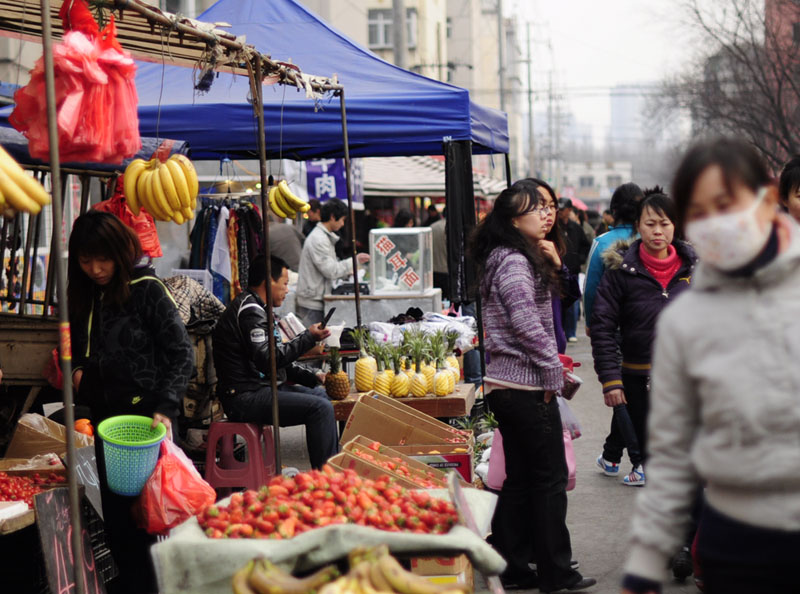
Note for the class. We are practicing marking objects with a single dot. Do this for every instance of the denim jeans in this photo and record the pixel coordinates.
(472, 359)
(297, 405)
(569, 318)
(530, 521)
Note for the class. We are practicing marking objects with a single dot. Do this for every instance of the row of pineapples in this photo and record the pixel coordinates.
(422, 364)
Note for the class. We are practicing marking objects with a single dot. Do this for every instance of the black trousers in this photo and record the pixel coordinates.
(530, 521)
(297, 405)
(130, 545)
(638, 397)
(738, 558)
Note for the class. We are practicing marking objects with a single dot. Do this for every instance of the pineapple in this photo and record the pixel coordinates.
(419, 383)
(388, 360)
(383, 381)
(452, 360)
(401, 383)
(337, 384)
(443, 382)
(366, 366)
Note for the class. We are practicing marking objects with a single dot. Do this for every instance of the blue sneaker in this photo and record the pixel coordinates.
(635, 478)
(608, 468)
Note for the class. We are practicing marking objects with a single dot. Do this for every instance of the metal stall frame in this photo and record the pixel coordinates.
(241, 59)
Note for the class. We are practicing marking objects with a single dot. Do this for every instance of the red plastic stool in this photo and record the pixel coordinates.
(228, 471)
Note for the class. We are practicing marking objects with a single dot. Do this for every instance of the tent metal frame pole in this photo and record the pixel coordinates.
(61, 284)
(508, 169)
(351, 212)
(258, 106)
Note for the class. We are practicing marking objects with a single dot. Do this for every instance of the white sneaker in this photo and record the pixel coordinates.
(608, 468)
(572, 339)
(635, 478)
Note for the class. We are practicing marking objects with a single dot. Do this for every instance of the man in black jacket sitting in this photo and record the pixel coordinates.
(241, 358)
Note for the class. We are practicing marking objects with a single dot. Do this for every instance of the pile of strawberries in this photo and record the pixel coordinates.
(23, 488)
(396, 464)
(290, 506)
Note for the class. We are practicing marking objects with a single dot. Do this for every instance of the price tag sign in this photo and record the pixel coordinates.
(55, 536)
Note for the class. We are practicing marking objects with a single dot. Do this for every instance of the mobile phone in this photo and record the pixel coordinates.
(328, 317)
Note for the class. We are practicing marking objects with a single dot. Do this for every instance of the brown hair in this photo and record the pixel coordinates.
(101, 234)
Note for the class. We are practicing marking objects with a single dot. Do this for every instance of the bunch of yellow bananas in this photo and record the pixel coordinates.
(19, 192)
(283, 203)
(168, 190)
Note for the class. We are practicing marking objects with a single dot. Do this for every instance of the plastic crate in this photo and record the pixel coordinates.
(201, 276)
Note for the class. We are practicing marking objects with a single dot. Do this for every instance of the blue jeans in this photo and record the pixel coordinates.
(472, 359)
(570, 319)
(297, 405)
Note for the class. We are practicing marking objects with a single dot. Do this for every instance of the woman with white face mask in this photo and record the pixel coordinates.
(726, 387)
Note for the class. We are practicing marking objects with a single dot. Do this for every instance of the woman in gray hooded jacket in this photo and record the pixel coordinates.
(726, 387)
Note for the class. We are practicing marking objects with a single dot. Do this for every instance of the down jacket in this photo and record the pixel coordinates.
(628, 302)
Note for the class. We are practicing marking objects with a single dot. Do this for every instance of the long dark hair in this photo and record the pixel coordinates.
(101, 234)
(497, 229)
(739, 161)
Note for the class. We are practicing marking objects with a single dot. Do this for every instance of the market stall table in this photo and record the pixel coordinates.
(457, 404)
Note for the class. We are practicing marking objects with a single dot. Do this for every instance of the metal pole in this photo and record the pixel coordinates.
(258, 107)
(531, 139)
(500, 61)
(63, 313)
(350, 204)
(399, 32)
(508, 169)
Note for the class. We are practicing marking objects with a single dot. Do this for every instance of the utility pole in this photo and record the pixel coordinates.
(399, 32)
(551, 151)
(439, 59)
(500, 60)
(531, 140)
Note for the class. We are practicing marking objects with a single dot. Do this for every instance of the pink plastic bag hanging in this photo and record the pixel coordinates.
(497, 462)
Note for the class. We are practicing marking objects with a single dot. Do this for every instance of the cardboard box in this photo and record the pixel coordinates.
(43, 469)
(445, 457)
(393, 423)
(465, 578)
(437, 566)
(36, 435)
(387, 454)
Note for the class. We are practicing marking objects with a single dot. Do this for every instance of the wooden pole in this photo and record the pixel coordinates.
(258, 107)
(350, 205)
(61, 285)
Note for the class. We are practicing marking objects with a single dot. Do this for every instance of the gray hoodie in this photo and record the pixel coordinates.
(725, 407)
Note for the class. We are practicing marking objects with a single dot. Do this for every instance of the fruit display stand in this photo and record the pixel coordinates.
(457, 404)
(189, 561)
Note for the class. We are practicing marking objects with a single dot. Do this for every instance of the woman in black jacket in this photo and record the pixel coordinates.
(132, 355)
(642, 277)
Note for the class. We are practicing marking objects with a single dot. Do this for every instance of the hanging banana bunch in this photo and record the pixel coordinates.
(19, 192)
(283, 203)
(168, 191)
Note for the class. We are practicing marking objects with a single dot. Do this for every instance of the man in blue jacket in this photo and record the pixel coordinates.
(624, 204)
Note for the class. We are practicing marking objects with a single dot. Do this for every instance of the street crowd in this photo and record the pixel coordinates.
(691, 300)
(692, 304)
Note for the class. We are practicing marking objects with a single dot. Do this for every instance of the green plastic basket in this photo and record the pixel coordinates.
(131, 449)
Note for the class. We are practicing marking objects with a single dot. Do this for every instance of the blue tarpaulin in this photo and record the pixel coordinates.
(390, 111)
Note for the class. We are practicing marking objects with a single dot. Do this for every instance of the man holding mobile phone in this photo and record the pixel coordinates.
(241, 357)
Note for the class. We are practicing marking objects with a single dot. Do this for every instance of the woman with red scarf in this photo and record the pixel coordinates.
(642, 277)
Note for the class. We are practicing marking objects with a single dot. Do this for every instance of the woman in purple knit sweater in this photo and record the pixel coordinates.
(518, 270)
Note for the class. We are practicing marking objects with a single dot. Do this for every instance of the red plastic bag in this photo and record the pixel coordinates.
(143, 224)
(95, 95)
(173, 493)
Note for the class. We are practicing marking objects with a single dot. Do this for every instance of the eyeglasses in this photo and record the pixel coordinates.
(544, 210)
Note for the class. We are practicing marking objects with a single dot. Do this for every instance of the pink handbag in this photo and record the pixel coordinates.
(497, 462)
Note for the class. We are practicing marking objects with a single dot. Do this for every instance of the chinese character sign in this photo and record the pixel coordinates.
(400, 264)
(326, 179)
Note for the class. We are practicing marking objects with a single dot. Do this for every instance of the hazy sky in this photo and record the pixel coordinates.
(597, 44)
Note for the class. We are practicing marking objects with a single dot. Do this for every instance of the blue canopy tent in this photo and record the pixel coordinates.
(390, 111)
